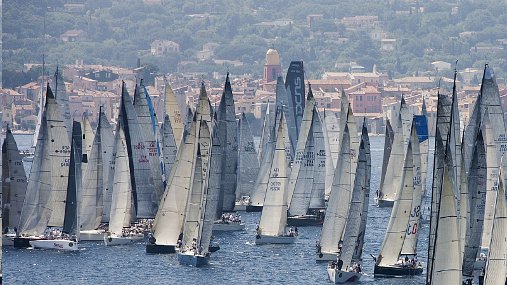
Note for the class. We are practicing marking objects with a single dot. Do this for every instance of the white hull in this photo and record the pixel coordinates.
(58, 244)
(116, 240)
(260, 239)
(326, 256)
(339, 277)
(93, 235)
(229, 227)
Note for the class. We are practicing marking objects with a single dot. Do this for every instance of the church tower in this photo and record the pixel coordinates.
(272, 68)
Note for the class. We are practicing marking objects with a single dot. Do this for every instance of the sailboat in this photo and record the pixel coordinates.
(64, 210)
(168, 223)
(121, 205)
(272, 226)
(201, 206)
(353, 233)
(307, 177)
(387, 193)
(92, 193)
(228, 130)
(400, 240)
(14, 185)
(248, 164)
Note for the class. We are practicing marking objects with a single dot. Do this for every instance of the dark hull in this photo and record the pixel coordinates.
(302, 221)
(160, 249)
(385, 203)
(394, 271)
(213, 248)
(21, 242)
(251, 208)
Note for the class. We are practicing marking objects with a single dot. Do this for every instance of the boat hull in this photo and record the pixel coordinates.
(23, 242)
(262, 239)
(339, 277)
(240, 207)
(160, 249)
(58, 244)
(188, 258)
(251, 208)
(93, 235)
(306, 220)
(325, 256)
(228, 227)
(395, 271)
(384, 203)
(116, 240)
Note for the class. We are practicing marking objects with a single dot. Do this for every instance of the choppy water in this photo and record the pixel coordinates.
(238, 261)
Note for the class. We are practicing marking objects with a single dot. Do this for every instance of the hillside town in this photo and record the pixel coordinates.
(371, 93)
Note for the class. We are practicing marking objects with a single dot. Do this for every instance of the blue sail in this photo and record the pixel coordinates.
(295, 86)
(421, 126)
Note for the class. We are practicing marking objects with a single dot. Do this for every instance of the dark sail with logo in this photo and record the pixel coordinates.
(295, 86)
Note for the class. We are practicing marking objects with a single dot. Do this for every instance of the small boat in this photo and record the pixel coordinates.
(338, 276)
(228, 223)
(58, 244)
(272, 226)
(113, 239)
(121, 205)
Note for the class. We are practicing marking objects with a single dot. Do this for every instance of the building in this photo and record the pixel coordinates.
(387, 44)
(272, 68)
(162, 47)
(366, 100)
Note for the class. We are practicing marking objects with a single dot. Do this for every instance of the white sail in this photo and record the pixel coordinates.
(212, 193)
(121, 210)
(59, 154)
(391, 186)
(317, 200)
(248, 165)
(400, 214)
(339, 199)
(141, 180)
(169, 146)
(446, 253)
(496, 266)
(228, 129)
(300, 183)
(495, 139)
(35, 213)
(274, 211)
(172, 109)
(388, 145)
(261, 183)
(62, 98)
(365, 141)
(88, 137)
(195, 209)
(91, 196)
(412, 232)
(331, 134)
(108, 157)
(477, 191)
(15, 182)
(168, 223)
(353, 234)
(441, 134)
(39, 113)
(148, 128)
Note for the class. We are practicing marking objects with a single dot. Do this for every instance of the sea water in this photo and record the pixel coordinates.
(239, 260)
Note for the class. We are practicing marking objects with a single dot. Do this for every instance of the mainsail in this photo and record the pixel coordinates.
(172, 109)
(248, 165)
(274, 211)
(71, 219)
(295, 86)
(228, 129)
(14, 182)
